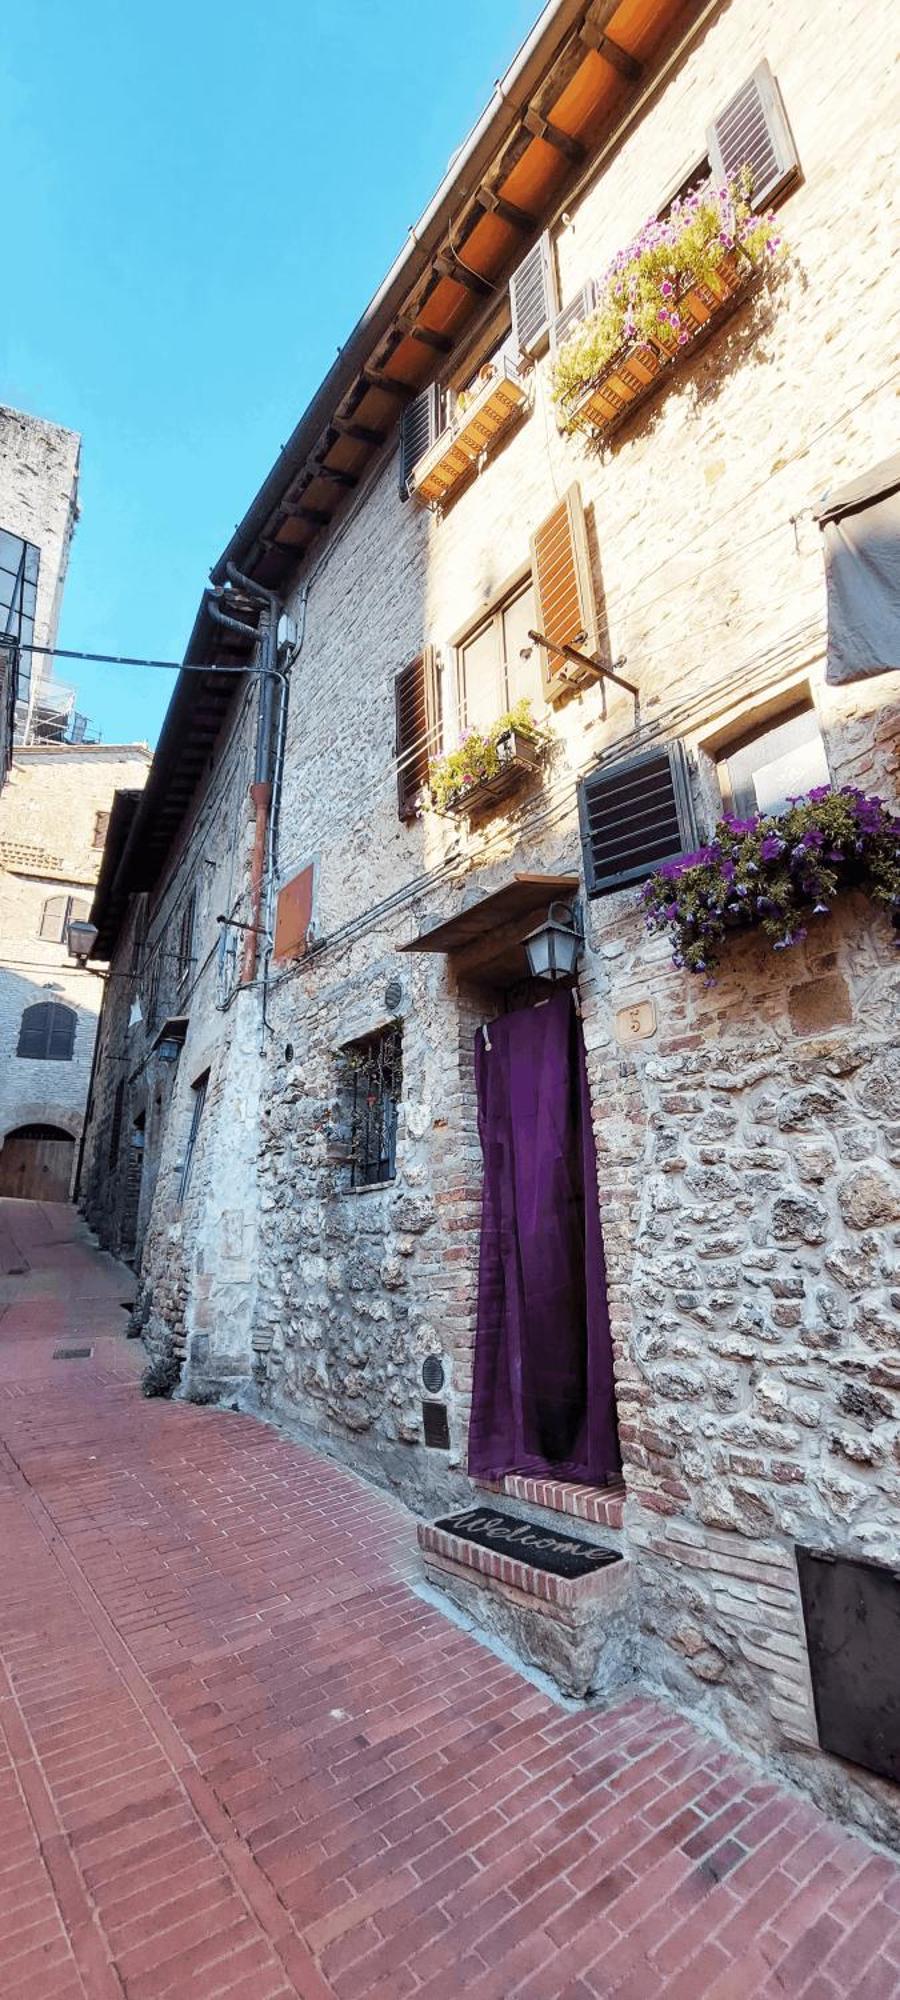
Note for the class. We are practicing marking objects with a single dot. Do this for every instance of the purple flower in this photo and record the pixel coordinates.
(667, 288)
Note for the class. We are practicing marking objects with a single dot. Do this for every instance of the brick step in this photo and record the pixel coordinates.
(593, 1511)
(580, 1630)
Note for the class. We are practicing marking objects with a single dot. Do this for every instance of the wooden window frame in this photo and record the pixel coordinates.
(411, 759)
(515, 586)
(199, 1089)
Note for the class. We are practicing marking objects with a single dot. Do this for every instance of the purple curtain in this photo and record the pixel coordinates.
(543, 1400)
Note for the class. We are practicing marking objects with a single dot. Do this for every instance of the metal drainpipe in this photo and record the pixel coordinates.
(261, 788)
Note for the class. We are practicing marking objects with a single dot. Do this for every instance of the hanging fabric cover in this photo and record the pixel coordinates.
(543, 1399)
(861, 526)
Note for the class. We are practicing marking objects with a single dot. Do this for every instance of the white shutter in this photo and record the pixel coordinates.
(573, 314)
(419, 426)
(532, 296)
(753, 132)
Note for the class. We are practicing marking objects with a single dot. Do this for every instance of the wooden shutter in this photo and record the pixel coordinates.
(293, 913)
(417, 704)
(419, 426)
(573, 314)
(563, 586)
(101, 828)
(532, 297)
(54, 918)
(634, 815)
(47, 1032)
(753, 132)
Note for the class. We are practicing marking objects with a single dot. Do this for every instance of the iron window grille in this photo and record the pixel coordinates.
(372, 1078)
(47, 1032)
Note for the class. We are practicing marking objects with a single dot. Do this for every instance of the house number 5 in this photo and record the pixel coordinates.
(637, 1022)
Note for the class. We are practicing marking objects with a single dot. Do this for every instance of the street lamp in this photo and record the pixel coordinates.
(81, 938)
(553, 949)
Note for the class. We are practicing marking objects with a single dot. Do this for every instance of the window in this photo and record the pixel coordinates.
(198, 1091)
(421, 423)
(372, 1076)
(498, 664)
(861, 526)
(186, 937)
(115, 1129)
(777, 760)
(58, 913)
(101, 828)
(635, 814)
(753, 132)
(417, 718)
(47, 1032)
(19, 568)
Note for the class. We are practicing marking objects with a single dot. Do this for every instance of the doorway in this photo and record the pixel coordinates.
(543, 1399)
(36, 1163)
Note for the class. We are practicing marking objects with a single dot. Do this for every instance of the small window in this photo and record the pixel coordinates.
(498, 663)
(635, 814)
(371, 1082)
(533, 298)
(186, 937)
(198, 1092)
(115, 1128)
(101, 828)
(781, 759)
(58, 913)
(47, 1032)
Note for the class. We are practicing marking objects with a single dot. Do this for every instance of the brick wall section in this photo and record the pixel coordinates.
(48, 808)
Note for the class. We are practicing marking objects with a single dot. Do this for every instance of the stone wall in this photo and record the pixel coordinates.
(196, 1254)
(742, 1149)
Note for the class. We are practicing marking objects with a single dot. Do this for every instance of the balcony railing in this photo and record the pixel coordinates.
(489, 410)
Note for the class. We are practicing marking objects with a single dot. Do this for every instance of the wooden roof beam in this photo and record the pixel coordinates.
(376, 379)
(317, 469)
(448, 266)
(496, 204)
(360, 433)
(440, 342)
(541, 128)
(611, 52)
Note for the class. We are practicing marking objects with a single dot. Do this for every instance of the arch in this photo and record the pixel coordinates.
(47, 1032)
(58, 913)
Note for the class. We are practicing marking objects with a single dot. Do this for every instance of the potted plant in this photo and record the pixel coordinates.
(485, 764)
(657, 293)
(774, 871)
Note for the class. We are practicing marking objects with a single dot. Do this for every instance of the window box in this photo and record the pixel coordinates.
(636, 370)
(518, 757)
(488, 410)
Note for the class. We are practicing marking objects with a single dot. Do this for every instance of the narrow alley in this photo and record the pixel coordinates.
(241, 1756)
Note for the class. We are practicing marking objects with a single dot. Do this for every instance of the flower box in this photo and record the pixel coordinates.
(494, 405)
(623, 381)
(519, 757)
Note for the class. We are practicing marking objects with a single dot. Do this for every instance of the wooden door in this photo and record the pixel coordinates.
(36, 1163)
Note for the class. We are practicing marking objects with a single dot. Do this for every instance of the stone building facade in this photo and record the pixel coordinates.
(39, 471)
(54, 810)
(745, 1132)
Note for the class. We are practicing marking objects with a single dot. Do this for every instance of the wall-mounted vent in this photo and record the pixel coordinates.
(634, 815)
(436, 1427)
(851, 1611)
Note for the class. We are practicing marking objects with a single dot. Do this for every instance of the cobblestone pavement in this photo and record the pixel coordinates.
(239, 1757)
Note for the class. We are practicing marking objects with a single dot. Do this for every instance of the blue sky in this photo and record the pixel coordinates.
(200, 199)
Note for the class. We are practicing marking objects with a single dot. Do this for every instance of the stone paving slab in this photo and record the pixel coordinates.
(241, 1760)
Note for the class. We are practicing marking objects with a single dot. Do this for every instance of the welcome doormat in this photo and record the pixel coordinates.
(526, 1541)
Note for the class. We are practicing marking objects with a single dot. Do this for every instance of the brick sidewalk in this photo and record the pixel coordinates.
(238, 1757)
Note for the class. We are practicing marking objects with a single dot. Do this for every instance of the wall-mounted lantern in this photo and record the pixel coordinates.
(81, 938)
(554, 948)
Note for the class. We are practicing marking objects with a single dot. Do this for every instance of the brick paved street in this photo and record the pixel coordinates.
(239, 1757)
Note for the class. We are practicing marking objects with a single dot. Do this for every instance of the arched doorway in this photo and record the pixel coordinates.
(36, 1163)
